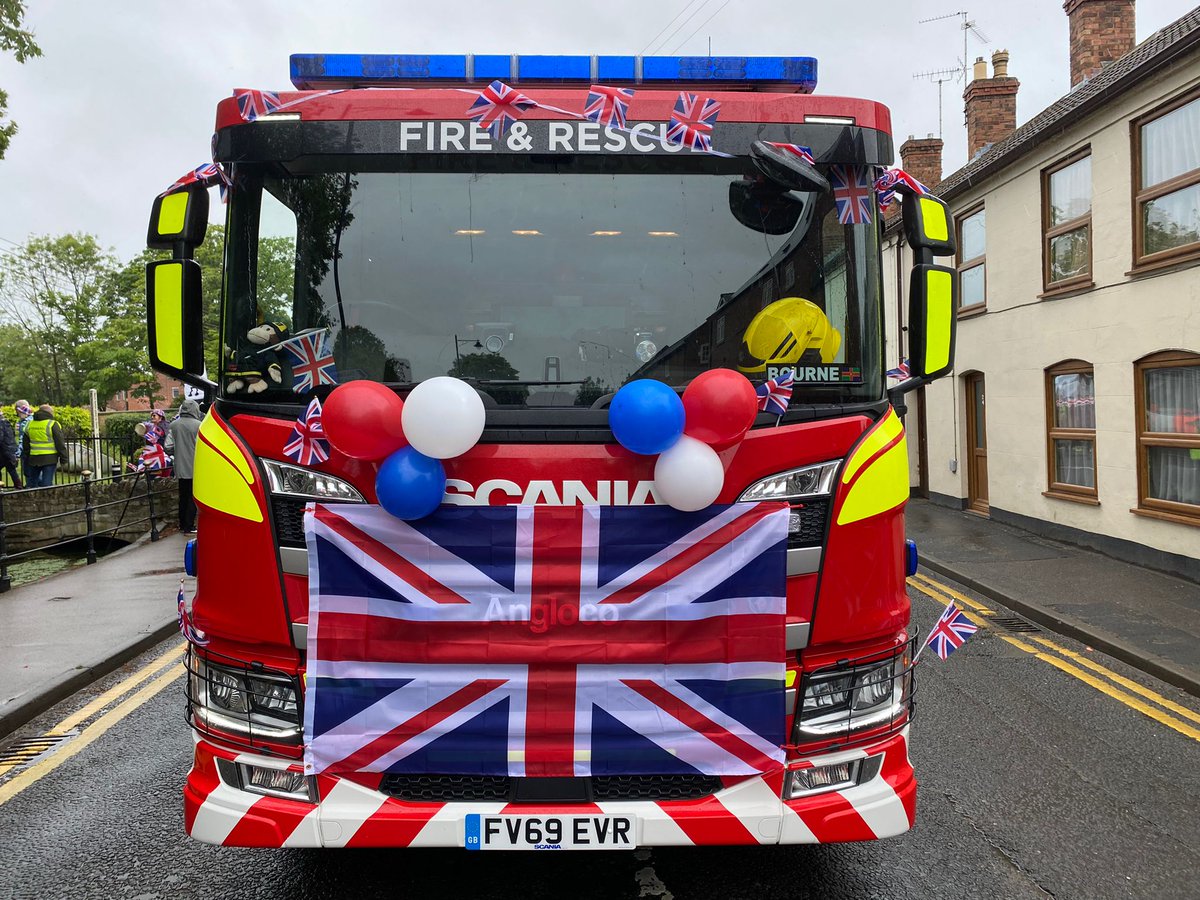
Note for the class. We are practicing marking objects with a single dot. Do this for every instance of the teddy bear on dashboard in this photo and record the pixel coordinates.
(250, 368)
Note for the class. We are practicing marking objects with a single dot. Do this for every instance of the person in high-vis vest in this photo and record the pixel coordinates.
(43, 447)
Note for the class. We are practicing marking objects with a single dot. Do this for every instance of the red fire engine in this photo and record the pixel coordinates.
(548, 229)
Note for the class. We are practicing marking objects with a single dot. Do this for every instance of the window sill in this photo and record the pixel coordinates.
(1177, 518)
(968, 312)
(1066, 290)
(1074, 498)
(1170, 264)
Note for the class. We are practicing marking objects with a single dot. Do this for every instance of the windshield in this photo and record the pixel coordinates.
(550, 281)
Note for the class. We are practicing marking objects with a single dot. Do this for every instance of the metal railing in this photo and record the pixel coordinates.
(143, 487)
(98, 455)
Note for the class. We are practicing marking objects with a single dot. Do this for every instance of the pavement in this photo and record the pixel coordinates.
(60, 634)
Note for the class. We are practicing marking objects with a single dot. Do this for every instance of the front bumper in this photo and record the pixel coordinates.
(352, 815)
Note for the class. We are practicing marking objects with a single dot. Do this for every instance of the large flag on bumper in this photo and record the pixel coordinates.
(546, 641)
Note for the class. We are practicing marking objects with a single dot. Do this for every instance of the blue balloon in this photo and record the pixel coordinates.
(410, 485)
(646, 416)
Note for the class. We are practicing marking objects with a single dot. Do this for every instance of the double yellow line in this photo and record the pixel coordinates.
(1074, 664)
(22, 780)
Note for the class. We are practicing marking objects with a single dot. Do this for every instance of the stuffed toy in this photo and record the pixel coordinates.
(252, 366)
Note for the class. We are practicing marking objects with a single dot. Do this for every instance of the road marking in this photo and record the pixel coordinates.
(21, 781)
(117, 690)
(950, 592)
(928, 588)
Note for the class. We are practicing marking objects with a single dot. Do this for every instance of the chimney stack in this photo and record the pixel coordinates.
(1101, 31)
(991, 104)
(922, 159)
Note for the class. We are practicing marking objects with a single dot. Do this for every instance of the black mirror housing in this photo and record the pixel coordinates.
(787, 170)
(180, 217)
(932, 321)
(928, 224)
(174, 317)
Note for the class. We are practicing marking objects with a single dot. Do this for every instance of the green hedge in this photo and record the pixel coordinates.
(76, 421)
(120, 426)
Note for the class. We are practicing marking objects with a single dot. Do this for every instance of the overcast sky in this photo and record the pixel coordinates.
(123, 100)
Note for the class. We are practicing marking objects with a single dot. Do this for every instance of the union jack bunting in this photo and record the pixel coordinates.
(207, 174)
(900, 372)
(851, 193)
(497, 107)
(951, 631)
(795, 149)
(608, 105)
(153, 458)
(692, 121)
(308, 445)
(546, 640)
(775, 394)
(311, 357)
(186, 627)
(885, 186)
(252, 104)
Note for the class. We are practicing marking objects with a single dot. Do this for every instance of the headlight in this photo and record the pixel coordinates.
(298, 482)
(795, 484)
(261, 706)
(854, 698)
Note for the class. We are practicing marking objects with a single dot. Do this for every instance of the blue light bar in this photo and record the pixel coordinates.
(795, 74)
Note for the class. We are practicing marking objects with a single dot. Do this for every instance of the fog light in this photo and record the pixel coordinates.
(818, 779)
(274, 782)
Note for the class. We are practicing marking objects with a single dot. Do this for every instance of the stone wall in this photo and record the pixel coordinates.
(127, 501)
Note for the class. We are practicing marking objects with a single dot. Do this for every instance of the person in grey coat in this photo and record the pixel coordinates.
(181, 440)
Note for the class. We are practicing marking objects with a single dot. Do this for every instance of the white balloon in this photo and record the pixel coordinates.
(688, 475)
(443, 417)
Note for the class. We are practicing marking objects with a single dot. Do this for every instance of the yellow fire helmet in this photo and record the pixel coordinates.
(781, 333)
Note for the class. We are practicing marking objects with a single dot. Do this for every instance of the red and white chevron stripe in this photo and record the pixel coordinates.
(354, 814)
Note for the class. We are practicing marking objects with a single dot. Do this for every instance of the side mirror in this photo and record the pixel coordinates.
(764, 208)
(174, 315)
(932, 306)
(788, 170)
(928, 225)
(180, 217)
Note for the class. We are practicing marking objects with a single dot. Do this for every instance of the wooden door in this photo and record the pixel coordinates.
(977, 478)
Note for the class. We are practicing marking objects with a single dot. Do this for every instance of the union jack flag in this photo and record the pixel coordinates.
(775, 394)
(311, 356)
(692, 121)
(207, 174)
(186, 626)
(308, 445)
(804, 153)
(851, 193)
(497, 107)
(547, 640)
(885, 186)
(951, 631)
(901, 371)
(252, 104)
(608, 105)
(153, 458)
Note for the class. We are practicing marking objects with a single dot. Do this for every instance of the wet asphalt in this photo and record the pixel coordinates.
(1033, 784)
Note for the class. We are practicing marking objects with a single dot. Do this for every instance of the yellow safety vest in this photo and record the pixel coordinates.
(41, 440)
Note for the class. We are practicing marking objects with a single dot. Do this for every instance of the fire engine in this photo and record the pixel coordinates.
(547, 229)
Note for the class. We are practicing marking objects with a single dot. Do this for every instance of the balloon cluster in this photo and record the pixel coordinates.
(442, 418)
(716, 411)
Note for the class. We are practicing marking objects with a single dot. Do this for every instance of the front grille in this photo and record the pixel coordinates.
(466, 788)
(289, 519)
(812, 523)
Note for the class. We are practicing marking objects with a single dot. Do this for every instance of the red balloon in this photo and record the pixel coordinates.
(719, 407)
(362, 419)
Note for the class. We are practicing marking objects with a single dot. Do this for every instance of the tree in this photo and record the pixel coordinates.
(491, 367)
(15, 40)
(55, 291)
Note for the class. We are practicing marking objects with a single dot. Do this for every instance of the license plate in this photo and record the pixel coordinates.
(550, 832)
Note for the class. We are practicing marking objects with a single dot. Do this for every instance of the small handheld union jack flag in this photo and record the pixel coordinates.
(311, 356)
(851, 193)
(775, 394)
(608, 105)
(692, 121)
(252, 104)
(497, 107)
(885, 186)
(186, 627)
(154, 457)
(900, 372)
(951, 631)
(804, 153)
(308, 445)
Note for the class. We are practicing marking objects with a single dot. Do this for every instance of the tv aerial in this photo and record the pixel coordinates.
(968, 27)
(940, 77)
